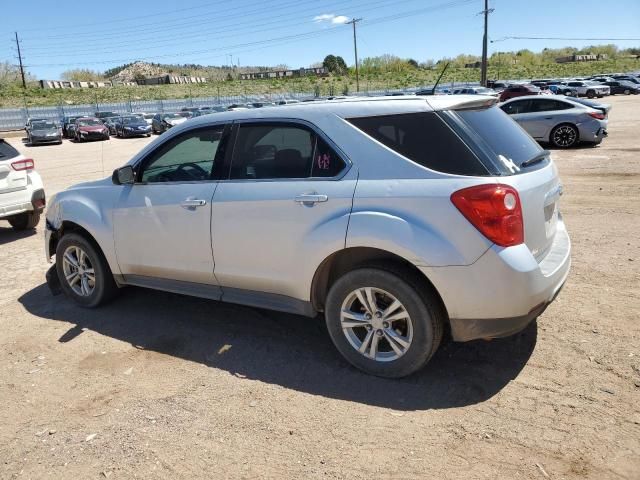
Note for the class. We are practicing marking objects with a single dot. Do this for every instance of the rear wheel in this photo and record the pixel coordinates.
(627, 91)
(25, 221)
(382, 322)
(85, 276)
(564, 136)
(591, 94)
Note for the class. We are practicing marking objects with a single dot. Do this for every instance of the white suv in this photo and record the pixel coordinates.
(400, 219)
(22, 196)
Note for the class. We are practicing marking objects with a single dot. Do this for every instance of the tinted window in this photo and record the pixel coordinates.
(272, 151)
(326, 163)
(521, 106)
(425, 139)
(7, 151)
(548, 105)
(507, 141)
(575, 84)
(186, 158)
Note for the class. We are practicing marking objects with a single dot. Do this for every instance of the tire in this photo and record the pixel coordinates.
(627, 92)
(25, 221)
(564, 136)
(591, 94)
(420, 332)
(104, 287)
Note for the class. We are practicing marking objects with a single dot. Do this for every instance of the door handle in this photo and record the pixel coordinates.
(191, 203)
(310, 198)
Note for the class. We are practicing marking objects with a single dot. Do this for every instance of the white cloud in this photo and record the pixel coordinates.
(331, 17)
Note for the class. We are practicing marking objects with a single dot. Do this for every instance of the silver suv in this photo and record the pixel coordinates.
(400, 219)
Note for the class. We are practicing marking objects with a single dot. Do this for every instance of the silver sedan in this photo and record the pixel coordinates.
(558, 120)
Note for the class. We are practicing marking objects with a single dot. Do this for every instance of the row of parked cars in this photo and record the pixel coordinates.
(103, 125)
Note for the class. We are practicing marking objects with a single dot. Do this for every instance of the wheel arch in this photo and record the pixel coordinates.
(347, 259)
(560, 124)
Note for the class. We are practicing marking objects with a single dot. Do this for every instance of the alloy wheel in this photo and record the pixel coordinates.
(376, 324)
(564, 136)
(78, 271)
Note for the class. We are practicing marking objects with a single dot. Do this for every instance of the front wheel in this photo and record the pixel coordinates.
(564, 136)
(382, 322)
(627, 92)
(591, 94)
(85, 276)
(25, 221)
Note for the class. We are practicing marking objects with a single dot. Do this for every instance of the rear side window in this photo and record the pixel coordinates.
(548, 105)
(425, 139)
(7, 151)
(508, 144)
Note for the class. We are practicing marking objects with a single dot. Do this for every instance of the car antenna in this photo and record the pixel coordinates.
(433, 91)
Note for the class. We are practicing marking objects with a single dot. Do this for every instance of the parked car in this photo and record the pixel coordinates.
(287, 101)
(622, 87)
(69, 125)
(589, 89)
(559, 89)
(212, 109)
(189, 109)
(102, 115)
(558, 121)
(22, 197)
(628, 78)
(162, 122)
(132, 126)
(90, 128)
(430, 218)
(475, 91)
(518, 91)
(43, 131)
(110, 123)
(148, 117)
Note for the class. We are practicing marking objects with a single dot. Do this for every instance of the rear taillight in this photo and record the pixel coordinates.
(26, 164)
(598, 115)
(494, 210)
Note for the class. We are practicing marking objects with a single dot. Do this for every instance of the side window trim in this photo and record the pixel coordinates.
(138, 167)
(317, 132)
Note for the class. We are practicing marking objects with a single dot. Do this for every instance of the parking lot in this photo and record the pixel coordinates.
(156, 385)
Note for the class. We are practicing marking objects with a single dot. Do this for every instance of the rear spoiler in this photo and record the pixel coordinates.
(463, 102)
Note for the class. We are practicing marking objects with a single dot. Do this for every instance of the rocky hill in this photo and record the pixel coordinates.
(137, 70)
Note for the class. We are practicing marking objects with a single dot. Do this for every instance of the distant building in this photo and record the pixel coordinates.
(47, 84)
(301, 72)
(582, 58)
(170, 79)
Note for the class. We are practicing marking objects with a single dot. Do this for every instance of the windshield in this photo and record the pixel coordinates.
(593, 83)
(171, 116)
(148, 116)
(89, 122)
(132, 119)
(508, 144)
(43, 125)
(484, 90)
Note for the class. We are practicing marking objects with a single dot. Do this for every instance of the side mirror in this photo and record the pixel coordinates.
(123, 176)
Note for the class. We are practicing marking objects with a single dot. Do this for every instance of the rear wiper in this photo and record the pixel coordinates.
(537, 158)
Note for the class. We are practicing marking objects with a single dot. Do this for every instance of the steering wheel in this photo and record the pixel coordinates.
(201, 171)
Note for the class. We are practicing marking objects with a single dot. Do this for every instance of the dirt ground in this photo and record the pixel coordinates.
(156, 385)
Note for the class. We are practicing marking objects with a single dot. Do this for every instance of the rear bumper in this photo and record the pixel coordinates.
(504, 290)
(594, 131)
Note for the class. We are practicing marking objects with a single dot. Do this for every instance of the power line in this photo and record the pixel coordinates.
(277, 40)
(169, 40)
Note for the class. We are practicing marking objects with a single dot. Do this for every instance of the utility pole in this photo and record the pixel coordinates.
(483, 72)
(24, 84)
(355, 49)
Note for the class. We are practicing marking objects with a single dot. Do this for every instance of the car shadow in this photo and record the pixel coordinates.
(288, 350)
(8, 234)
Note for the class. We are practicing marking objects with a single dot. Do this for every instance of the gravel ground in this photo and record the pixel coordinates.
(156, 385)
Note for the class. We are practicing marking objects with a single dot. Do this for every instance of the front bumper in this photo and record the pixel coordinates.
(40, 140)
(504, 290)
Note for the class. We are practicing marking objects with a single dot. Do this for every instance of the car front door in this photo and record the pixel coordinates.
(285, 205)
(162, 223)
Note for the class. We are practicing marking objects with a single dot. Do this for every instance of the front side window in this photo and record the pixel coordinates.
(187, 158)
(281, 151)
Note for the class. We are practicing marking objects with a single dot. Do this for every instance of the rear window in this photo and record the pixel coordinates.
(425, 139)
(502, 139)
(7, 151)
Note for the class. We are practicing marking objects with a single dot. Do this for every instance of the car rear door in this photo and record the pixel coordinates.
(162, 222)
(543, 115)
(286, 203)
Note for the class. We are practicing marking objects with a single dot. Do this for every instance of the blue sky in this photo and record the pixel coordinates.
(99, 35)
